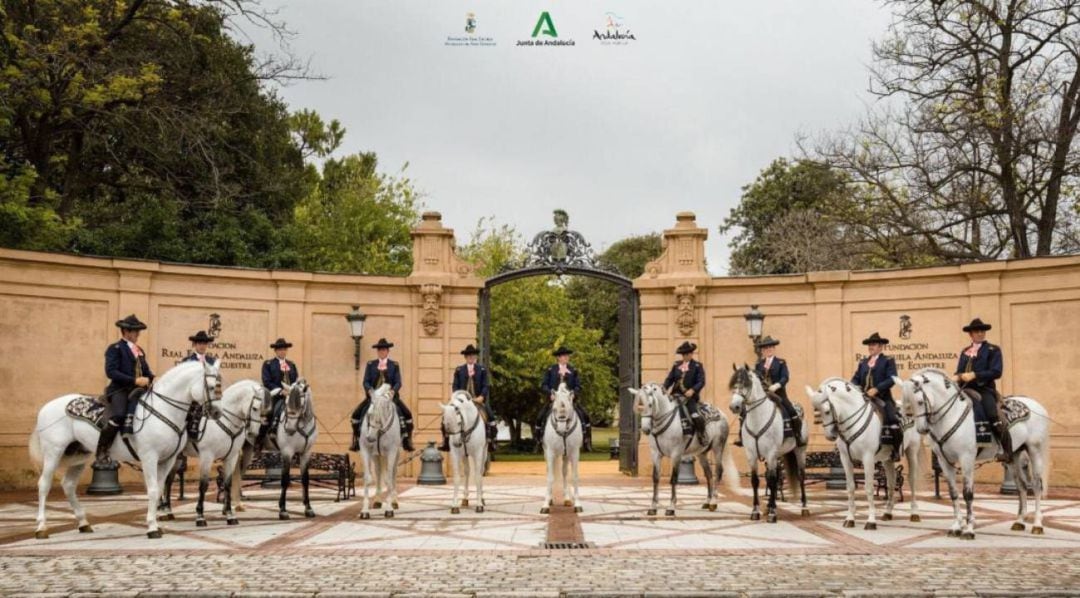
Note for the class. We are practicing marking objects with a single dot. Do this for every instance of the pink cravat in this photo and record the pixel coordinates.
(684, 367)
(973, 350)
(872, 361)
(134, 349)
(563, 370)
(768, 363)
(202, 358)
(382, 364)
(470, 368)
(284, 365)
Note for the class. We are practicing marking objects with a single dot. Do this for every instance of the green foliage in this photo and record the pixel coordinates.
(356, 220)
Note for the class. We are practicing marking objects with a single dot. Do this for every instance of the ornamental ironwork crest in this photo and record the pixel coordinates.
(560, 248)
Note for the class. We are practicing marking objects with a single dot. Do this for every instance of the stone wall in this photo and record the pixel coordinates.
(822, 317)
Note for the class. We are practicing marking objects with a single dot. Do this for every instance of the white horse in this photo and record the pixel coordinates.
(763, 440)
(221, 437)
(380, 444)
(943, 412)
(660, 421)
(849, 420)
(563, 437)
(59, 439)
(468, 446)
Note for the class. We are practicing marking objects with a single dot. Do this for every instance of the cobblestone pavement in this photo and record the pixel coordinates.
(426, 550)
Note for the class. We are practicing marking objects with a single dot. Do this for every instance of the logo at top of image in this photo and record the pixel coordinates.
(544, 29)
(905, 326)
(470, 38)
(214, 328)
(615, 32)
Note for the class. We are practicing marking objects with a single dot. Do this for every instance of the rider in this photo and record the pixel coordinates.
(275, 372)
(562, 373)
(129, 377)
(980, 364)
(200, 341)
(378, 372)
(473, 377)
(774, 371)
(875, 377)
(686, 379)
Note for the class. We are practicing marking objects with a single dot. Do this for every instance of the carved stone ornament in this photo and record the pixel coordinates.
(685, 318)
(560, 248)
(431, 293)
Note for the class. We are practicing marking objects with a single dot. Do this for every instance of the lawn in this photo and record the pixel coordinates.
(602, 438)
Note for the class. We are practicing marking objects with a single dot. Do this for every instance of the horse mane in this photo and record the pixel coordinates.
(741, 377)
(937, 371)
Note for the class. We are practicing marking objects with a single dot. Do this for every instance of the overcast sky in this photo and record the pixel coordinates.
(622, 137)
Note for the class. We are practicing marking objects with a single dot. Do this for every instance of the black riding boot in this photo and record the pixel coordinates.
(1001, 431)
(406, 424)
(357, 417)
(538, 426)
(105, 441)
(892, 422)
(354, 446)
(445, 445)
(586, 428)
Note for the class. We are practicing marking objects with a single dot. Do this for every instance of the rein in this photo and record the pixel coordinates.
(570, 427)
(465, 434)
(838, 426)
(746, 409)
(381, 430)
(185, 408)
(929, 416)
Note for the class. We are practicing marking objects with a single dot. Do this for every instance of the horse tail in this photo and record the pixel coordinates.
(35, 448)
(791, 468)
(1044, 475)
(731, 471)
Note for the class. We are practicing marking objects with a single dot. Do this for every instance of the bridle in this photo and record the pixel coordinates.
(931, 417)
(570, 424)
(300, 414)
(212, 392)
(464, 434)
(664, 421)
(745, 407)
(847, 430)
(385, 404)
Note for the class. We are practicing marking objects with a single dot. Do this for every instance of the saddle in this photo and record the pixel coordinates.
(1010, 410)
(708, 414)
(788, 431)
(91, 410)
(887, 436)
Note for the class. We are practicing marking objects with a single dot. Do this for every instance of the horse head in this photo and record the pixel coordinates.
(206, 389)
(649, 400)
(822, 401)
(381, 411)
(297, 405)
(744, 386)
(919, 394)
(563, 405)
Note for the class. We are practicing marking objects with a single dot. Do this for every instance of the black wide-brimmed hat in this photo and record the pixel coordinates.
(875, 339)
(768, 341)
(130, 323)
(686, 347)
(382, 344)
(470, 350)
(562, 350)
(281, 344)
(977, 325)
(201, 337)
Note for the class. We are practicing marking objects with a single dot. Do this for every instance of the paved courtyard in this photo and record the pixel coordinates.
(425, 549)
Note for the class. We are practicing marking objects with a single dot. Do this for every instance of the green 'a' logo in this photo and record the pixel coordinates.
(545, 26)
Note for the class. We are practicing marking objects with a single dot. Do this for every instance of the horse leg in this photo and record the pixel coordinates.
(455, 467)
(478, 474)
(954, 496)
(755, 512)
(890, 489)
(772, 475)
(380, 462)
(466, 471)
(365, 512)
(49, 464)
(969, 499)
(305, 482)
(70, 482)
(1021, 494)
(1037, 466)
(229, 465)
(675, 459)
(800, 460)
(286, 480)
(710, 496)
(204, 484)
(390, 463)
(577, 490)
(152, 469)
(549, 456)
(913, 479)
(165, 504)
(567, 499)
(655, 484)
(868, 488)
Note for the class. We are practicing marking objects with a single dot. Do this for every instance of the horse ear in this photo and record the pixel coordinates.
(847, 385)
(897, 381)
(745, 366)
(733, 368)
(633, 391)
(809, 391)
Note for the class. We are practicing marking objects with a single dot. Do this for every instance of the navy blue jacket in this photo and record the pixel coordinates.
(987, 366)
(272, 376)
(480, 380)
(120, 367)
(777, 374)
(209, 359)
(880, 376)
(391, 376)
(694, 380)
(551, 380)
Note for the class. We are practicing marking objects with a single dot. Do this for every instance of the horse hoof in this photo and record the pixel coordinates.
(388, 514)
(849, 523)
(365, 515)
(1017, 527)
(232, 521)
(200, 523)
(805, 513)
(376, 505)
(968, 535)
(712, 507)
(86, 529)
(464, 503)
(705, 507)
(394, 506)
(1037, 530)
(544, 510)
(154, 535)
(669, 513)
(309, 512)
(870, 525)
(915, 518)
(567, 503)
(168, 517)
(650, 513)
(240, 508)
(755, 516)
(41, 534)
(771, 518)
(886, 517)
(480, 508)
(283, 515)
(578, 509)
(455, 511)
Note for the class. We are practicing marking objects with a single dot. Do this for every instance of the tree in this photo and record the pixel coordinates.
(974, 154)
(356, 220)
(530, 318)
